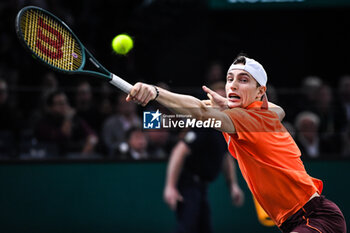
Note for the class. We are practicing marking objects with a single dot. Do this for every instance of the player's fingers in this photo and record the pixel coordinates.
(207, 102)
(210, 96)
(136, 90)
(208, 90)
(148, 99)
(141, 96)
(145, 95)
(128, 98)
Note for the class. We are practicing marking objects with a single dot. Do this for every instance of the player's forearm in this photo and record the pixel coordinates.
(183, 104)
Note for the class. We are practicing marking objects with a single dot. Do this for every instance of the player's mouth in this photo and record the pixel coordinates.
(233, 97)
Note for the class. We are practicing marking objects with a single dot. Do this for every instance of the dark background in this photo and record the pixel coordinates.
(176, 40)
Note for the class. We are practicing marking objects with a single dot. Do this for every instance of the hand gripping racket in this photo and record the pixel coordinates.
(51, 41)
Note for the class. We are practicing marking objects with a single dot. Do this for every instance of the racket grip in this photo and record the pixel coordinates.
(120, 83)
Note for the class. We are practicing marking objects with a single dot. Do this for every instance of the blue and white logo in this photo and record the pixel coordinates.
(151, 120)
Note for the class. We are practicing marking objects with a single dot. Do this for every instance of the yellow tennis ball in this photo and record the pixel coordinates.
(122, 44)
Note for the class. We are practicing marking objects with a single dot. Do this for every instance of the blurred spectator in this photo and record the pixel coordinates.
(116, 126)
(345, 150)
(9, 116)
(135, 147)
(309, 87)
(310, 143)
(49, 84)
(61, 126)
(344, 95)
(9, 122)
(86, 107)
(160, 143)
(105, 103)
(332, 116)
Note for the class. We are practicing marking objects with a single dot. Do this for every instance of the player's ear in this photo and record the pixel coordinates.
(261, 91)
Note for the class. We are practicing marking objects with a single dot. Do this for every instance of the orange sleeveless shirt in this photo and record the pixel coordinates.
(270, 162)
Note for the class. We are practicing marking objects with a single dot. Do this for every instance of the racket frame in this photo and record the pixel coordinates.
(84, 52)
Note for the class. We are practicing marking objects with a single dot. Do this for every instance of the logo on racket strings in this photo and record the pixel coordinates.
(52, 38)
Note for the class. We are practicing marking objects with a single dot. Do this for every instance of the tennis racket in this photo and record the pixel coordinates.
(51, 41)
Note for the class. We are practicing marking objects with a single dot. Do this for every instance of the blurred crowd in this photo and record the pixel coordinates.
(45, 114)
(94, 122)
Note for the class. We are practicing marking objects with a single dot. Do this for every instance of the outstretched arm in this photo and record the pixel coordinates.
(183, 104)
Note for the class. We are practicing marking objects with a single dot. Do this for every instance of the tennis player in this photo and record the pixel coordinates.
(267, 155)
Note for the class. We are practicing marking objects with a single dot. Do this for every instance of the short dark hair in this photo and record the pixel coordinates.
(240, 58)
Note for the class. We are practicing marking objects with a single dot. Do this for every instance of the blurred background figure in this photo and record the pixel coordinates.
(9, 116)
(332, 115)
(344, 96)
(160, 143)
(311, 144)
(61, 126)
(135, 145)
(48, 85)
(9, 122)
(309, 88)
(304, 99)
(85, 106)
(115, 127)
(194, 163)
(105, 106)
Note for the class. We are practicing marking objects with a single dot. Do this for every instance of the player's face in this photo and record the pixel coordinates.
(241, 89)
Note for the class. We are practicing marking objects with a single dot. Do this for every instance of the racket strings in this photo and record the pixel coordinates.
(50, 41)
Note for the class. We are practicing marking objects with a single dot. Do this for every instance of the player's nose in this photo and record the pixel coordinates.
(233, 85)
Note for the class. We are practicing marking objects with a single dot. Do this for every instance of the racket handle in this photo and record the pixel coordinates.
(120, 83)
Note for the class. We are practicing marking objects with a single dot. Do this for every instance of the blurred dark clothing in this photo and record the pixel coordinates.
(204, 163)
(205, 160)
(332, 120)
(193, 214)
(325, 147)
(92, 117)
(49, 130)
(9, 118)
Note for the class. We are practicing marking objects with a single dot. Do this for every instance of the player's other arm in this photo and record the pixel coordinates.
(278, 110)
(183, 104)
